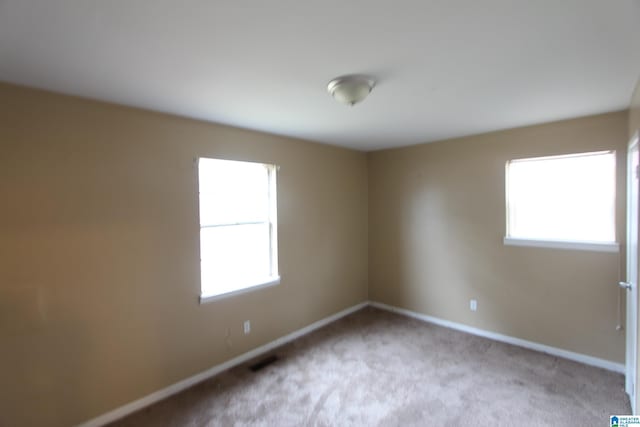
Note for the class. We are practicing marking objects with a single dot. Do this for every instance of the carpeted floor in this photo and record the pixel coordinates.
(375, 368)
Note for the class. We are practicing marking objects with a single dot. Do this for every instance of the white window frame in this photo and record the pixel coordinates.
(509, 240)
(272, 220)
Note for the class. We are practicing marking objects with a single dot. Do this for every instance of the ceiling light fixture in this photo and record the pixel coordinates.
(350, 89)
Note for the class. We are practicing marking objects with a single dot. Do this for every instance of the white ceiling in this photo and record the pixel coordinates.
(445, 68)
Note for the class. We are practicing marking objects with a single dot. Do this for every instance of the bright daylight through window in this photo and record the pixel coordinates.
(562, 201)
(238, 226)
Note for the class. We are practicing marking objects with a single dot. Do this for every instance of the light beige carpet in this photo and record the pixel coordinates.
(375, 368)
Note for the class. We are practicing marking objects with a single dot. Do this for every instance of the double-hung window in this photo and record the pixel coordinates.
(566, 201)
(238, 226)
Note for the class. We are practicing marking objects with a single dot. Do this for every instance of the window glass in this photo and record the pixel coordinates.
(238, 245)
(566, 198)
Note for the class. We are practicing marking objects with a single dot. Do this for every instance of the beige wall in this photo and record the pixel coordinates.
(436, 224)
(99, 270)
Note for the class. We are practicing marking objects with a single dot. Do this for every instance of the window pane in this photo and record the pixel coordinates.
(562, 198)
(234, 257)
(233, 192)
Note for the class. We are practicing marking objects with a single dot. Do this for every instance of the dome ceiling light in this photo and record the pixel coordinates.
(350, 89)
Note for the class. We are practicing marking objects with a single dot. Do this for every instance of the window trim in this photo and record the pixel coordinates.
(273, 281)
(272, 221)
(562, 244)
(581, 245)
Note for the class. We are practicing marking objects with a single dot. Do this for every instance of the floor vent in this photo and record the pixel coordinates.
(263, 363)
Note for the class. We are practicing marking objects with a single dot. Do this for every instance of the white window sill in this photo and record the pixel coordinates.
(205, 298)
(563, 244)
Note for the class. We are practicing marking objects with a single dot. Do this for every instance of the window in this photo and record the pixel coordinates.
(562, 201)
(238, 226)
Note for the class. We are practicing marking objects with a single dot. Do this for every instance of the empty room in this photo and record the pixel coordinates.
(228, 213)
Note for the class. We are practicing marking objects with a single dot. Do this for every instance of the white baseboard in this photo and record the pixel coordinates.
(578, 357)
(156, 396)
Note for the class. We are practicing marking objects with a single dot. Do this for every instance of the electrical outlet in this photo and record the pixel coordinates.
(247, 326)
(473, 305)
